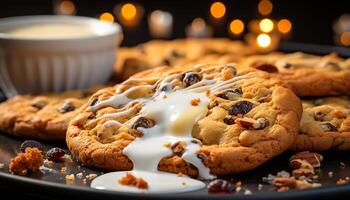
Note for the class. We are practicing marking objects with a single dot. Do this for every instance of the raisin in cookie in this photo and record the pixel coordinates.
(173, 53)
(43, 117)
(224, 118)
(325, 125)
(306, 75)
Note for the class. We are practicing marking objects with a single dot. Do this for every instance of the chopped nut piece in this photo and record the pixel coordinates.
(70, 178)
(285, 184)
(130, 180)
(63, 170)
(252, 124)
(330, 174)
(314, 159)
(302, 168)
(195, 102)
(341, 181)
(80, 175)
(29, 161)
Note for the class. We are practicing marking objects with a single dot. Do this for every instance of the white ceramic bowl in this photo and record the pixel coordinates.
(35, 65)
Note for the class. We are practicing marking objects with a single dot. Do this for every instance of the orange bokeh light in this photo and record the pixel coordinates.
(345, 39)
(217, 10)
(236, 27)
(265, 7)
(66, 8)
(128, 11)
(284, 26)
(107, 17)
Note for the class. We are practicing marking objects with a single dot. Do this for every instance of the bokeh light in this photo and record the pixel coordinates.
(263, 40)
(266, 25)
(265, 7)
(236, 26)
(217, 10)
(345, 39)
(107, 17)
(128, 11)
(65, 7)
(284, 26)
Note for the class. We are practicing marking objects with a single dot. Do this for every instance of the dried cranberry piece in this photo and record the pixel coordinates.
(319, 116)
(55, 154)
(221, 186)
(329, 127)
(66, 107)
(267, 67)
(31, 144)
(241, 107)
(143, 122)
(191, 78)
(230, 94)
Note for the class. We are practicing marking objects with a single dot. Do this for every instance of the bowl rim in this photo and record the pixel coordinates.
(114, 29)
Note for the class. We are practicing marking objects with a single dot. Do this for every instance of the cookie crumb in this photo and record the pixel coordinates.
(91, 176)
(195, 102)
(63, 170)
(167, 145)
(341, 181)
(179, 174)
(247, 192)
(260, 186)
(130, 180)
(49, 163)
(342, 165)
(330, 174)
(70, 178)
(79, 175)
(29, 161)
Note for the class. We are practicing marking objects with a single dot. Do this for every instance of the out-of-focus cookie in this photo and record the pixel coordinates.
(306, 75)
(155, 53)
(325, 125)
(43, 117)
(218, 118)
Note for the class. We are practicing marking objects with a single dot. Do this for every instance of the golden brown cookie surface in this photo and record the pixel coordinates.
(44, 116)
(306, 75)
(250, 118)
(325, 124)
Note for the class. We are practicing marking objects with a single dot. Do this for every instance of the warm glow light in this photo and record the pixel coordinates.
(198, 24)
(284, 26)
(108, 17)
(266, 25)
(263, 40)
(128, 11)
(236, 27)
(345, 39)
(66, 8)
(217, 10)
(265, 7)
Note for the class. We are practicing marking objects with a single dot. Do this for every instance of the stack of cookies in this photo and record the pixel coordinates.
(240, 109)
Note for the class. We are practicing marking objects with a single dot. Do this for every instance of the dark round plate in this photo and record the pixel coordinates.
(50, 183)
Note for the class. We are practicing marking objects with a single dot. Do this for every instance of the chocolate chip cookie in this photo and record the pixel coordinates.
(325, 124)
(306, 75)
(173, 53)
(43, 117)
(219, 119)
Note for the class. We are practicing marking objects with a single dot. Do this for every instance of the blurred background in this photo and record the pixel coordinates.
(260, 21)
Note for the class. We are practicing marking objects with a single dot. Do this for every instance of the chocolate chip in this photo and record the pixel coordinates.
(55, 154)
(191, 78)
(31, 144)
(94, 102)
(230, 94)
(39, 104)
(221, 186)
(143, 122)
(287, 65)
(229, 120)
(241, 107)
(196, 142)
(66, 107)
(319, 116)
(329, 127)
(201, 157)
(267, 67)
(91, 116)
